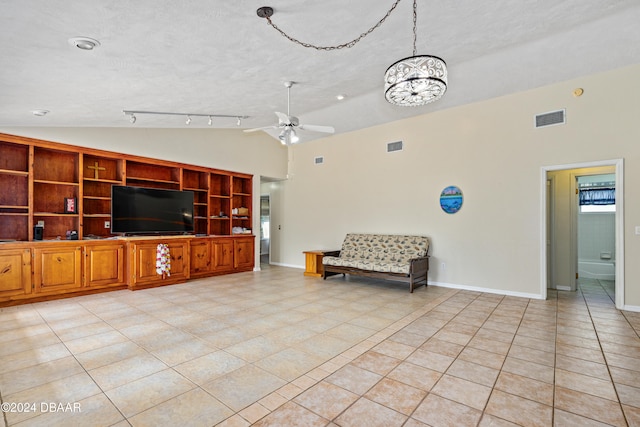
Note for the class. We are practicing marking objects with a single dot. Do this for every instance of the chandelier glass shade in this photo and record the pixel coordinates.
(416, 80)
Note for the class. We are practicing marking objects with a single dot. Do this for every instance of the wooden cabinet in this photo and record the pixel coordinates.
(57, 268)
(15, 273)
(222, 255)
(243, 253)
(200, 257)
(68, 188)
(142, 262)
(217, 255)
(104, 264)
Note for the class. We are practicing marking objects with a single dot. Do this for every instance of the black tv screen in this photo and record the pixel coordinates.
(138, 210)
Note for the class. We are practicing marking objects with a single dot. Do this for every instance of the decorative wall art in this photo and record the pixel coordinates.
(70, 205)
(451, 199)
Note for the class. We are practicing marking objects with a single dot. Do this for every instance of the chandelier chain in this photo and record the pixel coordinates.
(354, 41)
(415, 25)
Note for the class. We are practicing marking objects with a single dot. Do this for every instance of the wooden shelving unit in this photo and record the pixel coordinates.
(14, 199)
(42, 174)
(100, 173)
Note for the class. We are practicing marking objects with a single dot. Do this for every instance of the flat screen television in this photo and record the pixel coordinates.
(138, 210)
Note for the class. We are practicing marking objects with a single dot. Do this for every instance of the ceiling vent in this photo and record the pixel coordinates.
(318, 160)
(550, 119)
(394, 146)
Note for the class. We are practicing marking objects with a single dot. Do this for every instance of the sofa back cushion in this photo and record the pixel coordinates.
(384, 247)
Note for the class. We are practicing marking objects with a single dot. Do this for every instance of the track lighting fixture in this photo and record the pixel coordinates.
(132, 116)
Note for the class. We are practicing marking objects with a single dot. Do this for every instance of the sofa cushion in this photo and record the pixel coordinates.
(384, 247)
(386, 267)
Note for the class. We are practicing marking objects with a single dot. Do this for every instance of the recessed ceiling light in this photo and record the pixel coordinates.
(341, 97)
(40, 112)
(84, 43)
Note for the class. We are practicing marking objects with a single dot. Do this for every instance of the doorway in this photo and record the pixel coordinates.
(265, 229)
(559, 232)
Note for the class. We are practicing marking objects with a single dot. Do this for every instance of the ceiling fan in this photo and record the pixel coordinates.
(289, 124)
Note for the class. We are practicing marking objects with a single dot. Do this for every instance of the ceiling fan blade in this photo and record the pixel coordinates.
(283, 118)
(316, 128)
(263, 128)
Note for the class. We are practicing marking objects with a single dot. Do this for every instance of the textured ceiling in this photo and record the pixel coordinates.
(219, 57)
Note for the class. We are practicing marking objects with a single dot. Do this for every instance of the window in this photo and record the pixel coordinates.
(597, 199)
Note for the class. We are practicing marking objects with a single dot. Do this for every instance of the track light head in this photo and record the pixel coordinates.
(133, 118)
(239, 122)
(188, 120)
(210, 121)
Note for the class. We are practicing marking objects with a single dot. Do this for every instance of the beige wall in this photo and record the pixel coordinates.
(490, 150)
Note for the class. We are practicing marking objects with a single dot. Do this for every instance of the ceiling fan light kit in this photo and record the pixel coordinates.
(409, 82)
(289, 123)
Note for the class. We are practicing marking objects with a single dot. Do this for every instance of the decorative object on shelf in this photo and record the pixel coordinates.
(413, 81)
(96, 169)
(71, 205)
(133, 118)
(451, 199)
(289, 123)
(416, 80)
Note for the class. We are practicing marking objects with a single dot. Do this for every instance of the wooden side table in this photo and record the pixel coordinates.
(313, 262)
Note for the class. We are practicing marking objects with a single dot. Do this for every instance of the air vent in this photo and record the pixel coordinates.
(550, 119)
(318, 160)
(394, 146)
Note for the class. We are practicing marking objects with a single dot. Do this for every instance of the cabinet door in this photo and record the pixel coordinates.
(144, 263)
(243, 253)
(15, 272)
(57, 268)
(104, 264)
(222, 255)
(200, 257)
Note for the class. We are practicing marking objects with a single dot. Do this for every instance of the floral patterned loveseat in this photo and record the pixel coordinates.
(394, 257)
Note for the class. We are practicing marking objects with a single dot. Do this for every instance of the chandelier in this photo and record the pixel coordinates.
(413, 81)
(416, 80)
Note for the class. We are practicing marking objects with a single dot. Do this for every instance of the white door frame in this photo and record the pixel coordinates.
(619, 232)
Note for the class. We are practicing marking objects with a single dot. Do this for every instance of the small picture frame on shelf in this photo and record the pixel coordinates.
(70, 205)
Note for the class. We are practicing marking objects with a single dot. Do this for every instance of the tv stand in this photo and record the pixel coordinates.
(51, 269)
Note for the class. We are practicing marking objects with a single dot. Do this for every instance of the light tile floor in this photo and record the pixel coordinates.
(274, 348)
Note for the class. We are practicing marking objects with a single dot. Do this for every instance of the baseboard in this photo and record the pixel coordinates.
(486, 290)
(279, 264)
(635, 308)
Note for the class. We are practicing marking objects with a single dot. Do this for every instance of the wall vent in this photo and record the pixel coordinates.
(394, 146)
(550, 119)
(318, 160)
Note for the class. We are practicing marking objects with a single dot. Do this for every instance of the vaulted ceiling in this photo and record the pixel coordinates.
(219, 57)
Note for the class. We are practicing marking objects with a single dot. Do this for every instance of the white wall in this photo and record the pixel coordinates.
(493, 153)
